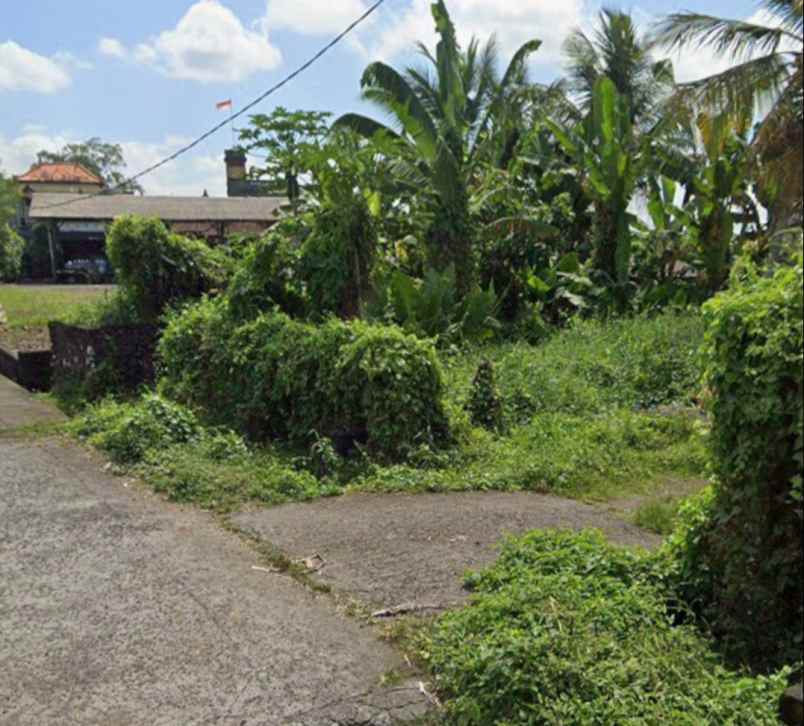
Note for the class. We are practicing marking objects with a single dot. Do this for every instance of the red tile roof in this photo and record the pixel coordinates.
(59, 173)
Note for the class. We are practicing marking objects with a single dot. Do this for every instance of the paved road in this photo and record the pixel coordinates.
(18, 408)
(119, 609)
(421, 544)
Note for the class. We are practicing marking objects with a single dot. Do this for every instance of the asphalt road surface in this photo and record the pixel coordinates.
(117, 608)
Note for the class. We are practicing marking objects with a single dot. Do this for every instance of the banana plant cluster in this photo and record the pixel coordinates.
(605, 149)
(444, 112)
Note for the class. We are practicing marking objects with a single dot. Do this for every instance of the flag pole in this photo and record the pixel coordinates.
(231, 122)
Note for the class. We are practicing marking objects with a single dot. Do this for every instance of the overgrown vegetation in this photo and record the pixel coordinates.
(565, 628)
(739, 554)
(278, 378)
(562, 429)
(157, 267)
(469, 302)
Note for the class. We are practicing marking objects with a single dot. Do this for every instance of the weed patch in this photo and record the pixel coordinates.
(566, 628)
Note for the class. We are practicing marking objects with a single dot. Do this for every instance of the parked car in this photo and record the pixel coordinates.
(86, 271)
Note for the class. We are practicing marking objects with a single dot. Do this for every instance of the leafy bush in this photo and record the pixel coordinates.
(485, 406)
(566, 629)
(117, 309)
(431, 307)
(268, 275)
(277, 378)
(158, 267)
(165, 444)
(126, 432)
(11, 248)
(739, 551)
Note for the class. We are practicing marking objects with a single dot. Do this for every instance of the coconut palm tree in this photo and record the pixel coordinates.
(444, 112)
(617, 51)
(767, 72)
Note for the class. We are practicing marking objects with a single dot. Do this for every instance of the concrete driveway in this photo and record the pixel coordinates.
(117, 608)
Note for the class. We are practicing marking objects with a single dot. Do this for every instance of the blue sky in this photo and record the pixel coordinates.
(147, 74)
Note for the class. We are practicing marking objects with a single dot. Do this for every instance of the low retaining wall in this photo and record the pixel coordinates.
(30, 369)
(119, 357)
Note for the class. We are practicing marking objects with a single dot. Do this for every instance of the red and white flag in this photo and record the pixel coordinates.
(223, 104)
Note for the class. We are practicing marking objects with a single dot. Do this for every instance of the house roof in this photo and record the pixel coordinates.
(59, 173)
(106, 207)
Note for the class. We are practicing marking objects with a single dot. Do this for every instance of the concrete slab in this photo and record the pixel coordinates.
(18, 408)
(117, 608)
(392, 549)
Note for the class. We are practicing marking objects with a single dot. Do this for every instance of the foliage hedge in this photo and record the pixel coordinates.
(740, 551)
(275, 377)
(158, 267)
(566, 629)
(11, 249)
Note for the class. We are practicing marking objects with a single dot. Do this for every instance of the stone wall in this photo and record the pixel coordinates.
(30, 369)
(111, 357)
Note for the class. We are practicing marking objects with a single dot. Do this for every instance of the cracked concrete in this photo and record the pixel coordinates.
(119, 608)
(392, 549)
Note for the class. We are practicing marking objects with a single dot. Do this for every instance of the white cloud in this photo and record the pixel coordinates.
(313, 17)
(209, 44)
(24, 70)
(189, 175)
(112, 47)
(70, 60)
(514, 23)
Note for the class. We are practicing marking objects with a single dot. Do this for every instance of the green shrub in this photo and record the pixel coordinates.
(158, 267)
(566, 629)
(485, 405)
(268, 275)
(338, 256)
(165, 444)
(215, 477)
(278, 378)
(11, 249)
(117, 309)
(127, 432)
(431, 307)
(740, 556)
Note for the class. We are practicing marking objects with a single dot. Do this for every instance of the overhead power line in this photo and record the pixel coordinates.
(273, 89)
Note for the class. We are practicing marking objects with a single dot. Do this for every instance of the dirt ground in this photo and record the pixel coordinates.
(390, 550)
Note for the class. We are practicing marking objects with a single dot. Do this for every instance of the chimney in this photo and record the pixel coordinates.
(235, 171)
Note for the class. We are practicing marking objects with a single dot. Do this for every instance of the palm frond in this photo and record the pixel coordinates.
(387, 88)
(741, 88)
(791, 13)
(734, 38)
(363, 125)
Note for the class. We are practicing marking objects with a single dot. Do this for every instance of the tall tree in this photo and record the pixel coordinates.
(767, 74)
(616, 50)
(605, 146)
(11, 244)
(285, 138)
(104, 159)
(442, 112)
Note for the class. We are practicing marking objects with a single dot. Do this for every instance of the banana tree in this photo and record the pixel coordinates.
(442, 114)
(718, 189)
(603, 147)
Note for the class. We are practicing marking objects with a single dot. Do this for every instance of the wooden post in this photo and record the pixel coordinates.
(51, 247)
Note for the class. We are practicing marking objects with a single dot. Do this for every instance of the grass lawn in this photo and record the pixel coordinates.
(36, 305)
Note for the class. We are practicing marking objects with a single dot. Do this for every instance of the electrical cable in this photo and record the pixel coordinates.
(184, 149)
